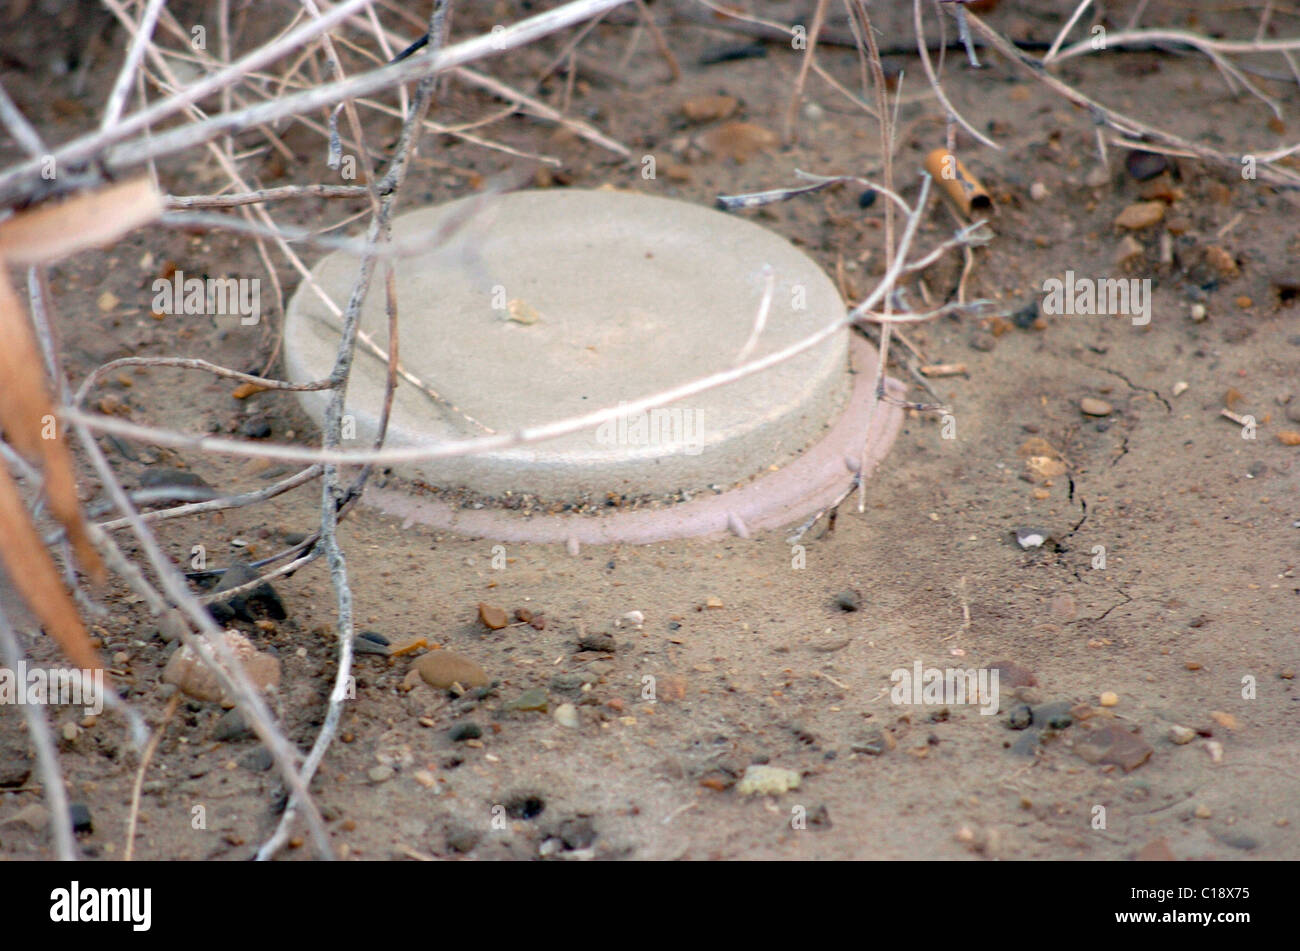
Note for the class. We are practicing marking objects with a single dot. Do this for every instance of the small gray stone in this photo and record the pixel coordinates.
(597, 642)
(848, 600)
(232, 728)
(465, 731)
(1020, 717)
(381, 774)
(258, 760)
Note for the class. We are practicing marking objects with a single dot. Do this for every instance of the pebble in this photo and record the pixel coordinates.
(1144, 165)
(874, 743)
(1110, 699)
(258, 760)
(848, 600)
(1058, 715)
(256, 428)
(1215, 749)
(1225, 720)
(597, 642)
(568, 682)
(1180, 388)
(1181, 735)
(738, 141)
(714, 603)
(159, 476)
(534, 699)
(1028, 538)
(709, 108)
(1020, 717)
(1095, 407)
(231, 727)
(634, 618)
(425, 778)
(381, 774)
(250, 606)
(1142, 214)
(492, 616)
(1113, 745)
(767, 781)
(1128, 249)
(1038, 191)
(442, 668)
(1027, 316)
(365, 643)
(79, 816)
(566, 715)
(1202, 811)
(465, 731)
(1198, 313)
(867, 198)
(192, 676)
(1237, 840)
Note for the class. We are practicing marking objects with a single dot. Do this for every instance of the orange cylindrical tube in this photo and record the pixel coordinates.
(958, 183)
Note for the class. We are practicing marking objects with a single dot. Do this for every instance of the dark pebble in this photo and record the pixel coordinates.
(1144, 165)
(1237, 840)
(158, 476)
(525, 806)
(867, 198)
(465, 731)
(261, 602)
(820, 817)
(258, 760)
(231, 727)
(79, 816)
(1027, 316)
(256, 428)
(596, 642)
(848, 600)
(1020, 717)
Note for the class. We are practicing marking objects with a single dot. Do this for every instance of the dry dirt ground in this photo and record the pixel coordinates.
(1191, 622)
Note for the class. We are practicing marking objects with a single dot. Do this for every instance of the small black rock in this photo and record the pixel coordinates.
(79, 816)
(465, 731)
(1027, 316)
(1144, 165)
(261, 602)
(867, 198)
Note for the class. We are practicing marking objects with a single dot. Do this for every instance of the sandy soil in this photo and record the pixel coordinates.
(1199, 527)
